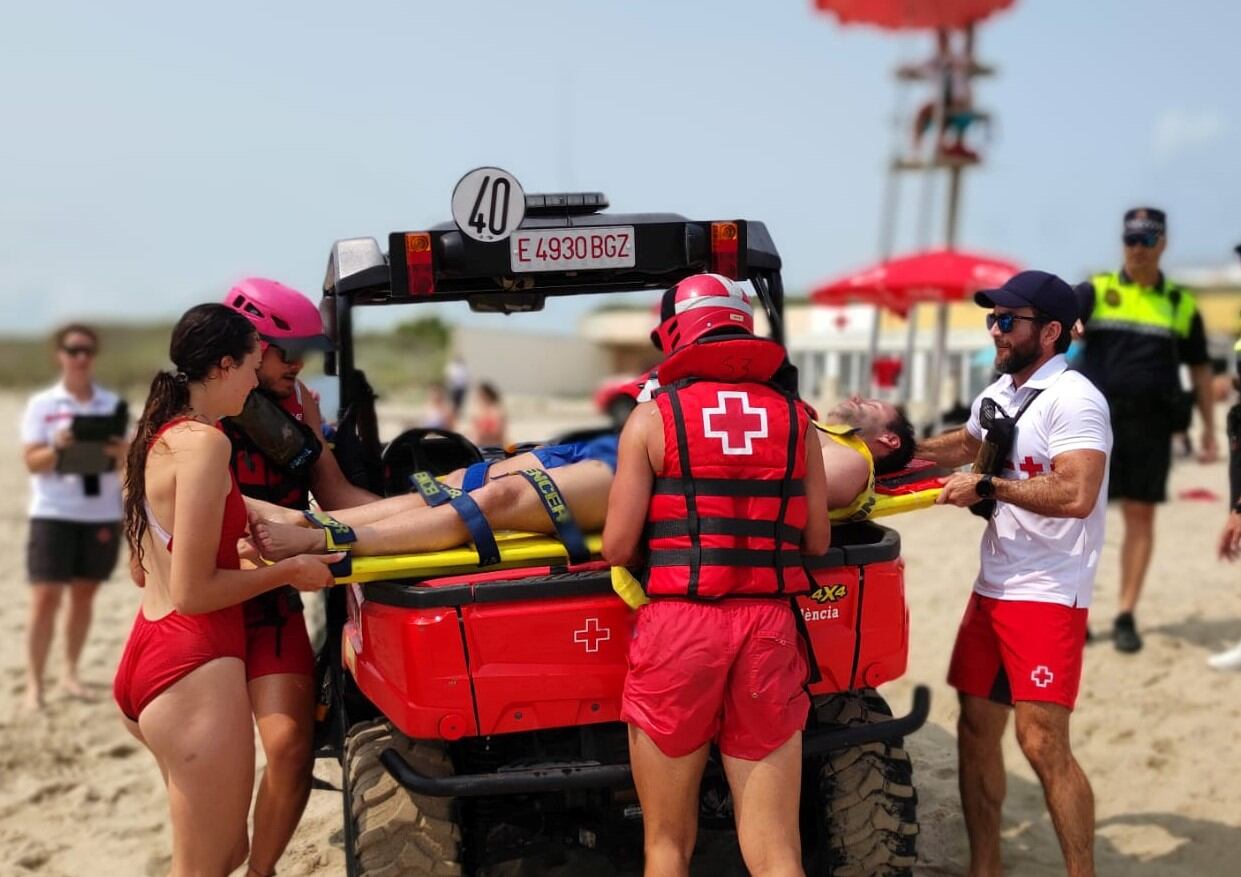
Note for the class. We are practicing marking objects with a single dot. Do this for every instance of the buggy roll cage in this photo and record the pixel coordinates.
(453, 267)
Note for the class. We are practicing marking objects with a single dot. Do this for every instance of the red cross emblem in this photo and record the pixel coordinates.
(1042, 676)
(1031, 468)
(734, 422)
(592, 634)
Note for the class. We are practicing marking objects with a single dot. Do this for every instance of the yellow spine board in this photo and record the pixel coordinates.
(522, 549)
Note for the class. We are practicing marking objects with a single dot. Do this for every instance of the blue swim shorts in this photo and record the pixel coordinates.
(602, 448)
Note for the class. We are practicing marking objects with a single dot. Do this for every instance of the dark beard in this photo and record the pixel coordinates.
(1018, 359)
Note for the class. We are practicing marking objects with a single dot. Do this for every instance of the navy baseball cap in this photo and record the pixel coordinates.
(1146, 220)
(1044, 292)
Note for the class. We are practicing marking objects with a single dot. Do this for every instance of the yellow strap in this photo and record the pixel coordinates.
(628, 588)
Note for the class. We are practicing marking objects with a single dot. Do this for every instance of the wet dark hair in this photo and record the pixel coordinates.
(904, 452)
(202, 338)
(489, 392)
(59, 336)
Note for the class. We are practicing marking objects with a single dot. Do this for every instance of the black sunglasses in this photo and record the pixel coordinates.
(288, 357)
(1007, 321)
(1146, 239)
(78, 351)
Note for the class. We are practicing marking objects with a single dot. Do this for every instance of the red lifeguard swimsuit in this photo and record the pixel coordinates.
(162, 651)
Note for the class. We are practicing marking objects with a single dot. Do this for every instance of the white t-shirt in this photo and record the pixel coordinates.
(1027, 556)
(63, 497)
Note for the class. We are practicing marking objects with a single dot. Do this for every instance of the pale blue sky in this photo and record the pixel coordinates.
(152, 153)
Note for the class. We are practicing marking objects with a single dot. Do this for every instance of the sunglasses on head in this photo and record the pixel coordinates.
(1006, 321)
(78, 351)
(1144, 239)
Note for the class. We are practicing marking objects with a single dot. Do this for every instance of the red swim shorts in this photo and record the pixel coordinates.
(732, 671)
(276, 638)
(1010, 650)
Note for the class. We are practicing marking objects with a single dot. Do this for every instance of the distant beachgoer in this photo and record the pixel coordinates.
(181, 682)
(490, 422)
(952, 108)
(75, 520)
(457, 377)
(437, 412)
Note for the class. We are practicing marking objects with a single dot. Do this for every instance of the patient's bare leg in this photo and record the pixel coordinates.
(383, 509)
(508, 503)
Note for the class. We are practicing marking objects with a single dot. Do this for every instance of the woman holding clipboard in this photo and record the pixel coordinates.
(75, 518)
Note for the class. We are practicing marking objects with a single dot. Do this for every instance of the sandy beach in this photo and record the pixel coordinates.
(1158, 734)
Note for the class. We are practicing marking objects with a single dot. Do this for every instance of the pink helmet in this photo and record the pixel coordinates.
(698, 305)
(282, 315)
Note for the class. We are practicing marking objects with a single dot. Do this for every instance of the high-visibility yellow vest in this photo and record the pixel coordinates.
(1145, 310)
(845, 435)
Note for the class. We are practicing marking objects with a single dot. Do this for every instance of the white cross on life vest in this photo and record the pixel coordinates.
(734, 422)
(592, 634)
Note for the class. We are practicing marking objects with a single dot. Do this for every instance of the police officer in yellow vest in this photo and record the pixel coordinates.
(1140, 327)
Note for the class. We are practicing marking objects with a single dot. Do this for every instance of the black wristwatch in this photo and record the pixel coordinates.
(985, 487)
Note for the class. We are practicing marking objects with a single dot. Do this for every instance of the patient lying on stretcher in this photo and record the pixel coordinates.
(859, 438)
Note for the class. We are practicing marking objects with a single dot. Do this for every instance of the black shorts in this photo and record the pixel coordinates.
(61, 551)
(1141, 457)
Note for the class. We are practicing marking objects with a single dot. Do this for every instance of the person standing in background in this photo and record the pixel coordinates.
(490, 422)
(1230, 538)
(1139, 328)
(457, 377)
(437, 412)
(74, 519)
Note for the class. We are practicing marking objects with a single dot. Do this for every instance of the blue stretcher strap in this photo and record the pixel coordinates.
(342, 568)
(433, 492)
(480, 531)
(557, 509)
(475, 476)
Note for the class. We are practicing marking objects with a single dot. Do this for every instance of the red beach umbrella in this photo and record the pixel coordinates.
(932, 275)
(912, 14)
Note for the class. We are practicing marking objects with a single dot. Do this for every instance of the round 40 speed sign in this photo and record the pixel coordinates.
(488, 204)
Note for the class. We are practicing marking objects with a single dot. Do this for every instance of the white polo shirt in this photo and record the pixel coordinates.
(1027, 556)
(62, 497)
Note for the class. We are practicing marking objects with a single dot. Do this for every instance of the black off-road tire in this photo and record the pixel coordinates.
(390, 832)
(865, 807)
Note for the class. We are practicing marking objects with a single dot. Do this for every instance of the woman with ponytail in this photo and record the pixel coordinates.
(181, 683)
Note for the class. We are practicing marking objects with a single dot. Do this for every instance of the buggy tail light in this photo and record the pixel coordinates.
(419, 272)
(725, 242)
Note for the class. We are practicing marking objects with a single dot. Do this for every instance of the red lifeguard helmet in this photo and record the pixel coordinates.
(698, 305)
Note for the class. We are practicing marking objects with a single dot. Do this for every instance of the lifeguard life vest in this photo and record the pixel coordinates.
(257, 476)
(727, 513)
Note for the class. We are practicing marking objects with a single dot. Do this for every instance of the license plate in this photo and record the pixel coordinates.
(572, 249)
